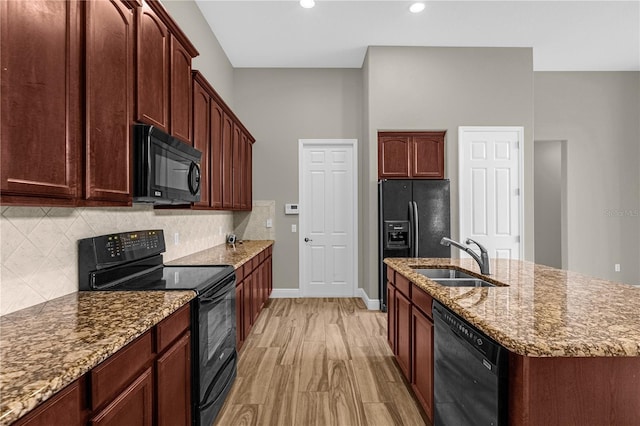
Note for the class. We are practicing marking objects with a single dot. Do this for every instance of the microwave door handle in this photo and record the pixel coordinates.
(193, 178)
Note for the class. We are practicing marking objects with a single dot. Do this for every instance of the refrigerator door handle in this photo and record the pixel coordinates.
(412, 240)
(416, 229)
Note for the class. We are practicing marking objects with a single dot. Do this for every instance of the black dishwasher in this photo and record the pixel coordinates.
(470, 373)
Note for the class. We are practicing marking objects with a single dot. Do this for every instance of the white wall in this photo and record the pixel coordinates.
(439, 88)
(548, 195)
(280, 106)
(212, 62)
(598, 114)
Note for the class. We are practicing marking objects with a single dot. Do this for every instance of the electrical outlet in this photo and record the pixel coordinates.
(220, 230)
(176, 238)
(616, 267)
(269, 223)
(294, 228)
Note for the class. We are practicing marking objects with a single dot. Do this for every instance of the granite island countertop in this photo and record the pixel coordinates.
(48, 346)
(542, 311)
(225, 254)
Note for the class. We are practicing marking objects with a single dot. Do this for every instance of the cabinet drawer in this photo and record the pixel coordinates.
(64, 408)
(422, 300)
(109, 378)
(171, 328)
(391, 275)
(402, 284)
(263, 255)
(133, 407)
(239, 275)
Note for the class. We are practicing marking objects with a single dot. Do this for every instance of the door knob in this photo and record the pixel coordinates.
(306, 240)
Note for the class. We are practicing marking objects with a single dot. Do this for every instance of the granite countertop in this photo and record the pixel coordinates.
(543, 311)
(225, 254)
(48, 346)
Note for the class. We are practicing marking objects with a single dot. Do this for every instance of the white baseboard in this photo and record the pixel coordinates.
(293, 293)
(372, 304)
(285, 293)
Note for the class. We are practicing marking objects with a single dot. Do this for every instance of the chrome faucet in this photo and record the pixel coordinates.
(483, 259)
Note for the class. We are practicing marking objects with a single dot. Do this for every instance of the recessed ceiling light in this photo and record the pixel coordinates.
(416, 7)
(307, 4)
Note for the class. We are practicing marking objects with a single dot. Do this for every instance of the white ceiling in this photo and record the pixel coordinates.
(565, 35)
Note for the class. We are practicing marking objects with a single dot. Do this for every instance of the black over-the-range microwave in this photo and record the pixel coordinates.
(166, 170)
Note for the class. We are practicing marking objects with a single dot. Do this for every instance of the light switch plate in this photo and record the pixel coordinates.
(269, 223)
(294, 228)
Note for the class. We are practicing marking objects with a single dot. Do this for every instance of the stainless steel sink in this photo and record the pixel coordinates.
(443, 273)
(453, 278)
(463, 282)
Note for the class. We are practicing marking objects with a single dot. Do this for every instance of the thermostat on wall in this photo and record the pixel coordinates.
(290, 209)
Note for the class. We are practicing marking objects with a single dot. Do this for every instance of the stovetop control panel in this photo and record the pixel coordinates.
(114, 249)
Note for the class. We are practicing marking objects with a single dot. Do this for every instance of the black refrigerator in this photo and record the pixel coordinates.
(413, 217)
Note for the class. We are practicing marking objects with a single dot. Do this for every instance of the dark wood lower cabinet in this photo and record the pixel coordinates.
(391, 316)
(253, 287)
(133, 407)
(66, 408)
(174, 384)
(403, 334)
(422, 360)
(148, 382)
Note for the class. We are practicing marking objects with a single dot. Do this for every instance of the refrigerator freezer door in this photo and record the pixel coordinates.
(433, 204)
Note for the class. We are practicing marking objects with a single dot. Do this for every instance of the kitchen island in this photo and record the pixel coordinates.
(574, 341)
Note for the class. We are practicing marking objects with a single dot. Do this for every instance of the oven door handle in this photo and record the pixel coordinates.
(219, 293)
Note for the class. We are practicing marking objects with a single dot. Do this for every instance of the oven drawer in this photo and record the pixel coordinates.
(113, 375)
(171, 328)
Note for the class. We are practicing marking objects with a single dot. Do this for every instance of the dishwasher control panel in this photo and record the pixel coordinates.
(469, 333)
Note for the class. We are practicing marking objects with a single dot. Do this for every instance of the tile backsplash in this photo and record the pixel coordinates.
(38, 254)
(253, 225)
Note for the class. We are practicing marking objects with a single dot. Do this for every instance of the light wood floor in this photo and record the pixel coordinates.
(319, 362)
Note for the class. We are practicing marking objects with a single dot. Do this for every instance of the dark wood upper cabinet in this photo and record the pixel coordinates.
(163, 80)
(248, 173)
(428, 155)
(180, 107)
(40, 102)
(411, 155)
(217, 124)
(227, 162)
(393, 156)
(237, 167)
(201, 139)
(108, 101)
(152, 77)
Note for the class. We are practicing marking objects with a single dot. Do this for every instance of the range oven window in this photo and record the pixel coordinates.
(217, 334)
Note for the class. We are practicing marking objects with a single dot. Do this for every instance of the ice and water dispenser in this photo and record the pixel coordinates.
(396, 234)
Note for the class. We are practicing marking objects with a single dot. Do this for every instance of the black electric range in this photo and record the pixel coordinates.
(133, 261)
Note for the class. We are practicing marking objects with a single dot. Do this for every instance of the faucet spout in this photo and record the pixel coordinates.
(482, 259)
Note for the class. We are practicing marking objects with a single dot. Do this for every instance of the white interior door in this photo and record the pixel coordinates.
(328, 212)
(490, 177)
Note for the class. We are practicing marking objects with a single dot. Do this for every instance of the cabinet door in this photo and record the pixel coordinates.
(201, 140)
(248, 173)
(393, 156)
(216, 125)
(108, 101)
(180, 109)
(247, 317)
(40, 102)
(255, 295)
(269, 275)
(239, 315)
(227, 162)
(428, 155)
(422, 360)
(391, 316)
(133, 407)
(403, 333)
(174, 384)
(238, 168)
(152, 69)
